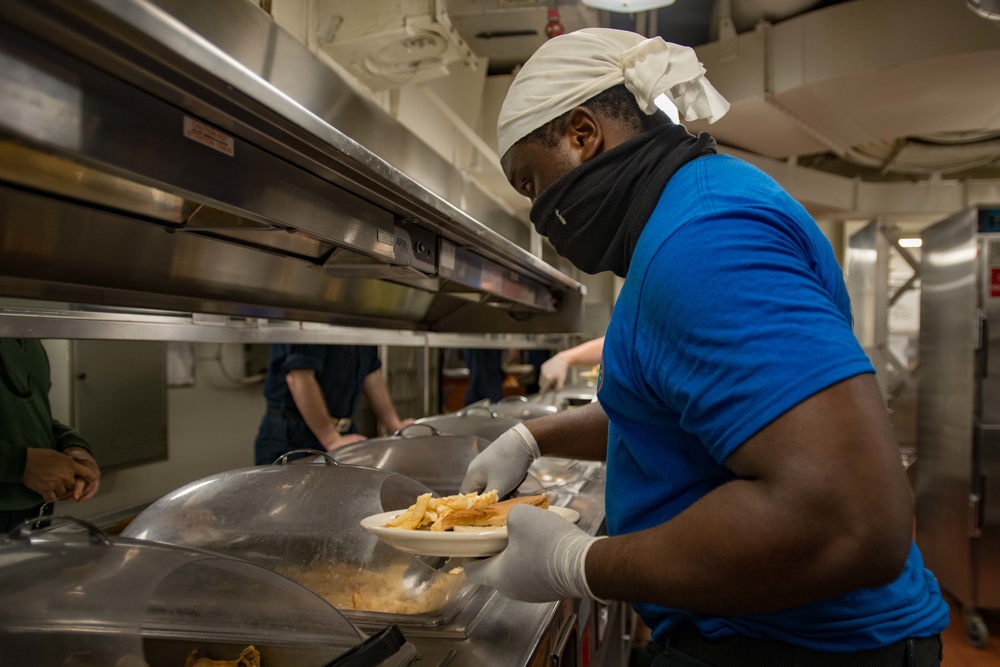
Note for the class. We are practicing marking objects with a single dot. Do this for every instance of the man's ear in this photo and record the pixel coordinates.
(585, 133)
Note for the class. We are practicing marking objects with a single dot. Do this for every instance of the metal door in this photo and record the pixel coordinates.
(949, 336)
(988, 517)
(120, 400)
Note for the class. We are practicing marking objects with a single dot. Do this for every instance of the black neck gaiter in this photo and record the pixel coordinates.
(594, 214)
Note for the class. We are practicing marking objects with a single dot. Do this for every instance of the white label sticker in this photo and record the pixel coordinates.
(383, 236)
(209, 136)
(447, 255)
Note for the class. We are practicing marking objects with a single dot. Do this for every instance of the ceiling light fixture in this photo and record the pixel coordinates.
(631, 6)
(988, 9)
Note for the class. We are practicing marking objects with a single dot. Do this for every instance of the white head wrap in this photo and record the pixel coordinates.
(570, 69)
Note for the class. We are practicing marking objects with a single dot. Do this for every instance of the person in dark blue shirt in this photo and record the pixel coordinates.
(312, 392)
(485, 375)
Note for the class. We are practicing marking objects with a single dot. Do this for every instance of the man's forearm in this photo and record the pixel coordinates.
(377, 393)
(584, 354)
(581, 433)
(311, 404)
(730, 553)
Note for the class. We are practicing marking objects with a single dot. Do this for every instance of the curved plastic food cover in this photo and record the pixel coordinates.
(475, 419)
(303, 521)
(520, 407)
(79, 599)
(419, 452)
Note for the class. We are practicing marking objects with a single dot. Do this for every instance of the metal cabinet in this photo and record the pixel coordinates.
(958, 441)
(119, 399)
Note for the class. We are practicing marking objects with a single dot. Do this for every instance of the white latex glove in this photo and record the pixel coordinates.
(544, 559)
(552, 373)
(504, 464)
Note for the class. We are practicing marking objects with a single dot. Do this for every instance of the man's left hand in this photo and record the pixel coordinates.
(544, 559)
(84, 490)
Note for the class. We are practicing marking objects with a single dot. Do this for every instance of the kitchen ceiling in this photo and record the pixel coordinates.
(874, 89)
(859, 108)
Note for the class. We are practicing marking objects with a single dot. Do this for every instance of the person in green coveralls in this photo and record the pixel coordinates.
(41, 460)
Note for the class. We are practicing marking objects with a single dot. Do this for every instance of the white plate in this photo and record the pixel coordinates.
(472, 542)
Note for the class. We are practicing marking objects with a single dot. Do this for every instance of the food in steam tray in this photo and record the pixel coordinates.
(250, 657)
(347, 586)
(468, 511)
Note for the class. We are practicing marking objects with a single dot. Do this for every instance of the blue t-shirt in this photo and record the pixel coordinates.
(734, 311)
(340, 372)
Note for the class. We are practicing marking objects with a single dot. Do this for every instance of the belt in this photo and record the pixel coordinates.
(743, 651)
(343, 423)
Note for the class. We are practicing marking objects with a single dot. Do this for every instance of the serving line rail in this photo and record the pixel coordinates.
(54, 322)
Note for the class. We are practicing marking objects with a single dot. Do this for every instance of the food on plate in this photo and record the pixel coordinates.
(249, 657)
(493, 515)
(460, 511)
(347, 586)
(427, 511)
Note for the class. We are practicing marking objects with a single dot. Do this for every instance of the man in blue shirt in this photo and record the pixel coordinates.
(757, 509)
(312, 392)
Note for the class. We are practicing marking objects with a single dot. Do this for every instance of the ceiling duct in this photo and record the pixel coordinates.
(860, 74)
(507, 32)
(389, 44)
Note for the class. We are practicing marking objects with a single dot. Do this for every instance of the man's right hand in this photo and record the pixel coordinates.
(504, 464)
(337, 440)
(52, 474)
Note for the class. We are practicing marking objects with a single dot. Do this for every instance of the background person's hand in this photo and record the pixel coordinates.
(84, 489)
(552, 374)
(544, 559)
(402, 423)
(53, 475)
(337, 441)
(504, 464)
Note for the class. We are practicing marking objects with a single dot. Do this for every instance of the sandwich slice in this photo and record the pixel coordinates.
(485, 516)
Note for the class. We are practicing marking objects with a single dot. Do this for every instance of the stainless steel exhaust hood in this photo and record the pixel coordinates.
(193, 157)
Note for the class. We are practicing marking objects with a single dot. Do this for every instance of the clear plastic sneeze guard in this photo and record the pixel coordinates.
(86, 599)
(303, 521)
(418, 451)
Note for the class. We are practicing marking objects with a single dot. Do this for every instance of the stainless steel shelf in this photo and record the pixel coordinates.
(197, 328)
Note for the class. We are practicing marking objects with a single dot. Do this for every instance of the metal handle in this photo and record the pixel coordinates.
(283, 459)
(543, 394)
(468, 409)
(401, 433)
(31, 526)
(568, 632)
(975, 525)
(983, 343)
(516, 398)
